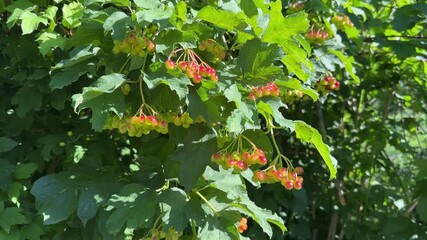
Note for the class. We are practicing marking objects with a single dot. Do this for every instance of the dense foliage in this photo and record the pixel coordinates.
(154, 119)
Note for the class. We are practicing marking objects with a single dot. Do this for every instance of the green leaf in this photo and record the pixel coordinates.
(27, 99)
(133, 206)
(49, 41)
(179, 15)
(221, 227)
(306, 133)
(255, 55)
(33, 230)
(194, 153)
(227, 182)
(11, 216)
(30, 22)
(223, 19)
(347, 64)
(175, 206)
(102, 98)
(87, 34)
(94, 192)
(70, 75)
(6, 172)
(152, 15)
(72, 15)
(7, 144)
(59, 206)
(209, 110)
(24, 171)
(269, 107)
(282, 28)
(116, 23)
(177, 84)
(422, 207)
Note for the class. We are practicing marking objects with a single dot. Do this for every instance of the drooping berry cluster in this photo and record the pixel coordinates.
(289, 179)
(183, 120)
(295, 7)
(292, 95)
(328, 83)
(342, 22)
(316, 37)
(270, 89)
(136, 126)
(134, 44)
(191, 65)
(243, 225)
(239, 160)
(216, 49)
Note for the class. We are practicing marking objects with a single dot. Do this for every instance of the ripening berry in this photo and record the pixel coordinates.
(182, 65)
(214, 78)
(243, 225)
(151, 48)
(299, 170)
(169, 64)
(262, 160)
(241, 165)
(288, 184)
(252, 96)
(210, 71)
(62, 144)
(152, 120)
(197, 78)
(297, 185)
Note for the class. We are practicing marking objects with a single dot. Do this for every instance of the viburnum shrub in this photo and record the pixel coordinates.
(174, 109)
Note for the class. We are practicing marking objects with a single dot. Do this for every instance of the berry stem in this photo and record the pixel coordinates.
(208, 203)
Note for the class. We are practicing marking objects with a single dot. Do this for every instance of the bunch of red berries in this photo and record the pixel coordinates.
(243, 225)
(134, 44)
(295, 7)
(316, 37)
(342, 22)
(270, 89)
(239, 161)
(289, 179)
(191, 65)
(292, 95)
(136, 126)
(216, 49)
(328, 83)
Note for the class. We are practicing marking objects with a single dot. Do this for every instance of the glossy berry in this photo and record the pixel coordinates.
(169, 64)
(297, 185)
(288, 184)
(299, 170)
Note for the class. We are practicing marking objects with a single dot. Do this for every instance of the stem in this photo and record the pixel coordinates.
(208, 203)
(124, 65)
(140, 80)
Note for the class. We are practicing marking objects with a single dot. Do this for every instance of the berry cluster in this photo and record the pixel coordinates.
(239, 161)
(136, 126)
(183, 120)
(243, 225)
(342, 22)
(295, 7)
(270, 89)
(292, 95)
(328, 83)
(211, 46)
(289, 179)
(134, 44)
(191, 65)
(318, 36)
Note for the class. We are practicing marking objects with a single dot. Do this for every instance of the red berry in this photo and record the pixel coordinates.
(258, 93)
(263, 160)
(252, 96)
(214, 78)
(210, 71)
(169, 64)
(297, 185)
(152, 120)
(151, 48)
(261, 176)
(231, 162)
(197, 78)
(182, 65)
(241, 165)
(288, 184)
(246, 156)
